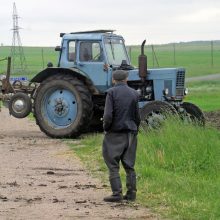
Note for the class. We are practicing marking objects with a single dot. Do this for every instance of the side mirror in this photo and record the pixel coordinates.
(58, 48)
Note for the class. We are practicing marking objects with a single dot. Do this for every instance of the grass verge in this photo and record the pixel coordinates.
(177, 169)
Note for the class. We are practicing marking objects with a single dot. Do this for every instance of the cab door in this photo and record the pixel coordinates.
(91, 61)
(68, 54)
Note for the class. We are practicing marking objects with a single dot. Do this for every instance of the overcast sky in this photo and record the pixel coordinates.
(159, 21)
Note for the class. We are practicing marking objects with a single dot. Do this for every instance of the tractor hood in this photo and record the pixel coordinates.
(155, 74)
(172, 79)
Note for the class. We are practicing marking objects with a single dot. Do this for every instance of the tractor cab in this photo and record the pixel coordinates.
(94, 54)
(92, 47)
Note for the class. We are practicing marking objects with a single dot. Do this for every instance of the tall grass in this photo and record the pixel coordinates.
(178, 169)
(181, 148)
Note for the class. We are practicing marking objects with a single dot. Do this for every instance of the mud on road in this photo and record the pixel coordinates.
(41, 179)
(213, 118)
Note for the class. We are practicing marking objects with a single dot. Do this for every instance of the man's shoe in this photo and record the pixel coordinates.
(131, 187)
(116, 190)
(130, 196)
(113, 198)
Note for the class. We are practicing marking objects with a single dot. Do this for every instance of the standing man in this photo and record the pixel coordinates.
(120, 122)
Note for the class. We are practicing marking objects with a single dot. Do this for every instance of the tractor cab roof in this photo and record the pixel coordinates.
(91, 35)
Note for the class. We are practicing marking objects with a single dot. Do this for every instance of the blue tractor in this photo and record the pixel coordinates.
(70, 98)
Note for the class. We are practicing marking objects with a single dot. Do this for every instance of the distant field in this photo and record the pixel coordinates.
(194, 56)
(36, 58)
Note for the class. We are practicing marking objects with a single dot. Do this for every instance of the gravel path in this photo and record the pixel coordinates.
(41, 179)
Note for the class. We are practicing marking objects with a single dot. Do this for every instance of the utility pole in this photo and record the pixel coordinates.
(154, 56)
(212, 54)
(17, 53)
(174, 54)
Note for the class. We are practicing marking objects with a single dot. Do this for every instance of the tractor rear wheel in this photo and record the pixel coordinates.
(193, 113)
(63, 106)
(155, 112)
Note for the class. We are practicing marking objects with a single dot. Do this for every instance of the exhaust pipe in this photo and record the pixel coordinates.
(142, 60)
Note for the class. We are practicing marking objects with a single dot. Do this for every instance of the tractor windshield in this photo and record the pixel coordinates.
(116, 51)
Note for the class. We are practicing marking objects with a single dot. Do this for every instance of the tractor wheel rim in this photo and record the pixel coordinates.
(59, 107)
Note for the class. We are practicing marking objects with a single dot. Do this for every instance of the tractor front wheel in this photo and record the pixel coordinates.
(20, 105)
(155, 112)
(192, 113)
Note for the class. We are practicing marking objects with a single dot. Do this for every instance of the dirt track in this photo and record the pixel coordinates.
(204, 78)
(213, 118)
(40, 179)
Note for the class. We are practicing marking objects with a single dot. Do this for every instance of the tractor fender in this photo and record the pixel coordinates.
(51, 71)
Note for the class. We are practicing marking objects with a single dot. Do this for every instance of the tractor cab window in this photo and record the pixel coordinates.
(72, 51)
(116, 51)
(90, 52)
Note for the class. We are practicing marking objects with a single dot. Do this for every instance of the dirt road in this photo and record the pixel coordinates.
(204, 78)
(40, 179)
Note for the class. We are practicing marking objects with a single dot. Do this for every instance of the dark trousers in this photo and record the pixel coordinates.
(120, 147)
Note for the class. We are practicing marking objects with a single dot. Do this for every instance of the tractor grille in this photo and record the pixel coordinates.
(179, 92)
(180, 83)
(180, 79)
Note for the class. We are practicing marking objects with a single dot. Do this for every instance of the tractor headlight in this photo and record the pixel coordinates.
(186, 91)
(148, 89)
(139, 91)
(166, 91)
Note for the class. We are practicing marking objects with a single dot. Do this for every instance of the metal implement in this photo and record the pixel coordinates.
(5, 84)
(18, 91)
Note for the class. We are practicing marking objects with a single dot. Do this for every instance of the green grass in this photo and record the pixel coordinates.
(206, 94)
(181, 170)
(194, 56)
(177, 169)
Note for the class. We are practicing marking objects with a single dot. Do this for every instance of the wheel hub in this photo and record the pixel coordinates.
(61, 107)
(18, 105)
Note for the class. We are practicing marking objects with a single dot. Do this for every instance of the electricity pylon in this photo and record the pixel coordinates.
(17, 52)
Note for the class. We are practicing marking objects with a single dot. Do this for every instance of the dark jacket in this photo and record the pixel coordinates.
(121, 112)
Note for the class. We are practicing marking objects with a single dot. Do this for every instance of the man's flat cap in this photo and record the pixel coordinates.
(119, 75)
